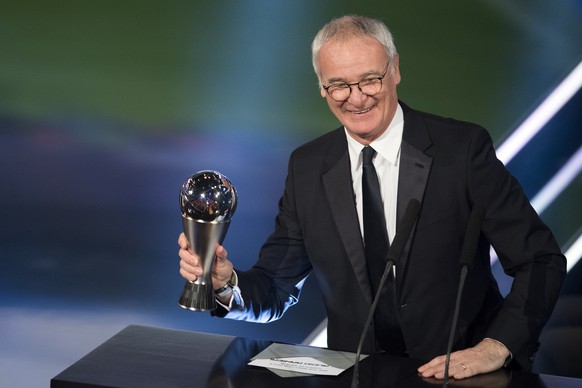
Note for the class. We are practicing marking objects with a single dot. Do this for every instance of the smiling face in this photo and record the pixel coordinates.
(349, 61)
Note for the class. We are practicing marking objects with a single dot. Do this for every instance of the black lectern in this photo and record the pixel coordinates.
(140, 356)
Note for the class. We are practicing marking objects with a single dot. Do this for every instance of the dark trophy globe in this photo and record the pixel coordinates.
(208, 201)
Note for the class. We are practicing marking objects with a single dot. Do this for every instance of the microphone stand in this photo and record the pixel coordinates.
(467, 257)
(455, 319)
(355, 376)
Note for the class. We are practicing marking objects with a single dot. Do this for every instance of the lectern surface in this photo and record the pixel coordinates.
(140, 356)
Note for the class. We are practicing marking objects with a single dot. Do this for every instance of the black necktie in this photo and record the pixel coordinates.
(376, 242)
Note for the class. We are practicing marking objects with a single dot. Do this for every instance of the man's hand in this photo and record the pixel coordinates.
(190, 267)
(487, 356)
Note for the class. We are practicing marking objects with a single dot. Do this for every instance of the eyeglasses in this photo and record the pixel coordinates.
(368, 86)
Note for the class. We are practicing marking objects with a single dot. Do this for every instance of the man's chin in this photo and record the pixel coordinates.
(363, 126)
(363, 134)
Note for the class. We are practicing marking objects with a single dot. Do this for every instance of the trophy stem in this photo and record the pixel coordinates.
(203, 236)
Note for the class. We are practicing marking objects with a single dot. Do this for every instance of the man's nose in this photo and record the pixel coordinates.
(356, 95)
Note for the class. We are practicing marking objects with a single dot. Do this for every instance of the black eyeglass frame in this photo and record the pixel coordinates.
(344, 85)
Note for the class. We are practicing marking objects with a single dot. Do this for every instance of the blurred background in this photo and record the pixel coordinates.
(107, 107)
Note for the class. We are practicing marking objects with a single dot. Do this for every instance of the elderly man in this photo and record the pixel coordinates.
(345, 194)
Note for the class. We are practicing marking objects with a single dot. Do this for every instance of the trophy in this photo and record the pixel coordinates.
(207, 201)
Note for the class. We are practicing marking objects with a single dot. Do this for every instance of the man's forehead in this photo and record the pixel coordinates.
(343, 59)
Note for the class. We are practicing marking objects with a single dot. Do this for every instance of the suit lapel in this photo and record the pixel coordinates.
(338, 187)
(415, 167)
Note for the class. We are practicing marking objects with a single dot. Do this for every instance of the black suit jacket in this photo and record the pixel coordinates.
(449, 166)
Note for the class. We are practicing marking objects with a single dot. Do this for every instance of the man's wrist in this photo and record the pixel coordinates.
(229, 296)
(504, 351)
(226, 290)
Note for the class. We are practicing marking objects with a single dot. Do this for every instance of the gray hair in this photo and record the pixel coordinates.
(349, 26)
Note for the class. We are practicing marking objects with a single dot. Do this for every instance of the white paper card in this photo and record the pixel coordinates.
(277, 351)
(298, 364)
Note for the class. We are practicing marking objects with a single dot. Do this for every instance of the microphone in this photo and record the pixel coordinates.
(394, 253)
(467, 257)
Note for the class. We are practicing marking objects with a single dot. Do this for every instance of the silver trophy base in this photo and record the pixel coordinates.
(197, 297)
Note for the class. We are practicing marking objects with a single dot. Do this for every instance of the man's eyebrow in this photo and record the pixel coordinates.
(362, 76)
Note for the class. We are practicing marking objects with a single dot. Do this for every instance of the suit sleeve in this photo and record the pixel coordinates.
(274, 283)
(526, 249)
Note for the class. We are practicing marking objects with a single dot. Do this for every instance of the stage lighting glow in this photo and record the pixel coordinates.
(540, 117)
(558, 183)
(574, 253)
(530, 127)
(550, 192)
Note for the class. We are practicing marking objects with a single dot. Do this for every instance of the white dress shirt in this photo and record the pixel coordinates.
(386, 162)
